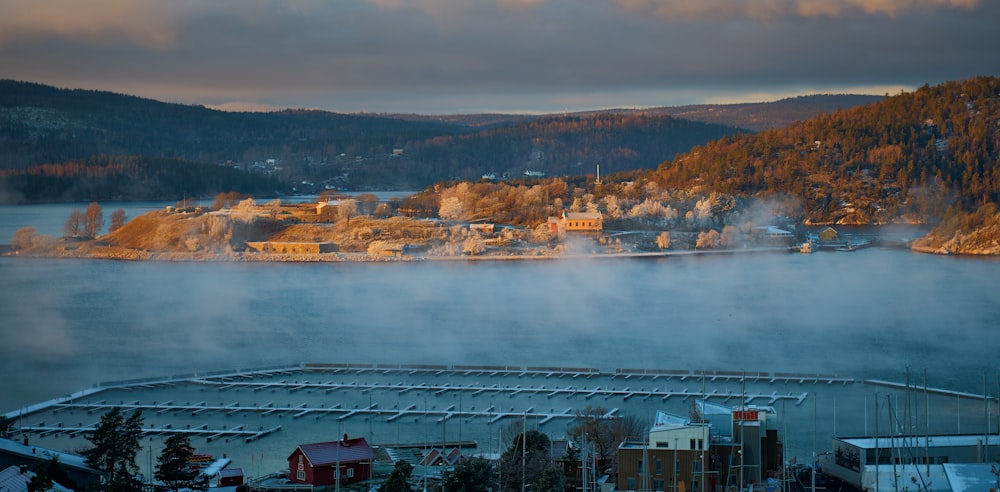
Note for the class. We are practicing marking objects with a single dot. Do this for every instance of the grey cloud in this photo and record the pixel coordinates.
(450, 55)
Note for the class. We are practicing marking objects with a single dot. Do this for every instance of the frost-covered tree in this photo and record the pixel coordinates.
(703, 210)
(473, 246)
(347, 209)
(451, 209)
(708, 239)
(730, 237)
(663, 240)
(612, 207)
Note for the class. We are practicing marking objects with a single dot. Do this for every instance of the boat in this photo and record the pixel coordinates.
(847, 248)
(806, 247)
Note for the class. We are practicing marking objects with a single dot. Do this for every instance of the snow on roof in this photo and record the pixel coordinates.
(35, 452)
(970, 476)
(707, 408)
(11, 479)
(216, 466)
(583, 215)
(667, 420)
(918, 441)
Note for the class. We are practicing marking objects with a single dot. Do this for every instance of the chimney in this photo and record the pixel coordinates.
(24, 469)
(345, 440)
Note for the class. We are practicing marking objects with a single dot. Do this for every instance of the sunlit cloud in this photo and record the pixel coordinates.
(140, 22)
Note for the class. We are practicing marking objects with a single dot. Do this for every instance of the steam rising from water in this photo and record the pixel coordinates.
(70, 324)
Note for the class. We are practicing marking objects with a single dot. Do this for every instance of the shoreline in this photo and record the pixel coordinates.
(365, 258)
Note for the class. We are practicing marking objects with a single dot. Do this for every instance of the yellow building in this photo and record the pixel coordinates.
(583, 221)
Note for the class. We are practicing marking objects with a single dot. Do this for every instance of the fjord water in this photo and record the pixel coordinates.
(68, 324)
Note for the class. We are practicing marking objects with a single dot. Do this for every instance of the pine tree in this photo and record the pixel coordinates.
(173, 466)
(116, 445)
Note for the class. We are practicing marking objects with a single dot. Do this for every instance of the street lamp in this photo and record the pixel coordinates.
(674, 465)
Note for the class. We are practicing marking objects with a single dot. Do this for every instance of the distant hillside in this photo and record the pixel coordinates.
(316, 150)
(768, 115)
(106, 178)
(908, 157)
(750, 116)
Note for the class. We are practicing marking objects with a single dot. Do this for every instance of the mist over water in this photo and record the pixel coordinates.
(68, 324)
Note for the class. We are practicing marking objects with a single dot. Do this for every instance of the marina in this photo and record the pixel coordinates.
(262, 414)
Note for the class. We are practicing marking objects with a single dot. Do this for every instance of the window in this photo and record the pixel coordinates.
(631, 484)
(658, 485)
(661, 444)
(701, 444)
(640, 467)
(659, 467)
(692, 444)
(301, 475)
(350, 472)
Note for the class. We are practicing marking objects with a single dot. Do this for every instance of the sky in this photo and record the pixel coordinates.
(508, 56)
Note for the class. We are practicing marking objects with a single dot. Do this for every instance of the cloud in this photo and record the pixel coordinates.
(441, 56)
(95, 21)
(766, 10)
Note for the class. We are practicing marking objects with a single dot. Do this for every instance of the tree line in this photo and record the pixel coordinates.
(115, 177)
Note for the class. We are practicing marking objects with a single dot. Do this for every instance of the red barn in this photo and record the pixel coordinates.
(317, 463)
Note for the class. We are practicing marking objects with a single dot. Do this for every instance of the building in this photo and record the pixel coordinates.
(290, 248)
(938, 462)
(22, 454)
(828, 234)
(738, 448)
(229, 477)
(583, 221)
(16, 478)
(323, 463)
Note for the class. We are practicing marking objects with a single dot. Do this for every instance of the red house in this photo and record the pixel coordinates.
(317, 463)
(230, 477)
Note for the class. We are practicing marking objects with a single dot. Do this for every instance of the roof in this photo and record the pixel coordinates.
(918, 441)
(11, 479)
(582, 215)
(333, 452)
(42, 454)
(667, 420)
(231, 472)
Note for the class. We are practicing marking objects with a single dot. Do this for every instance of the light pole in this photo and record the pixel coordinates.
(674, 465)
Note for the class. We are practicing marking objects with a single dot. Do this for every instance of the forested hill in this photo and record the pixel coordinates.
(315, 150)
(908, 157)
(44, 124)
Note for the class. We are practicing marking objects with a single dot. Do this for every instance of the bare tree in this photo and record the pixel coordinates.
(118, 219)
(73, 223)
(93, 220)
